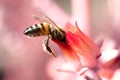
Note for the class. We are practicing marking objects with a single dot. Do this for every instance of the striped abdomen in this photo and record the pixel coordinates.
(38, 30)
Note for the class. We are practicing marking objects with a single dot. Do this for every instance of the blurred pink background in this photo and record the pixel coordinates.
(22, 58)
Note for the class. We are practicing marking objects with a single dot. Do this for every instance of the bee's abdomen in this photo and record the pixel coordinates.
(38, 30)
(32, 31)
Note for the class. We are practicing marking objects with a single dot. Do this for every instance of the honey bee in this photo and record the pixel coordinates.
(48, 28)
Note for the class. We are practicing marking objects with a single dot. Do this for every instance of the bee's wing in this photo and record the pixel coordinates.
(37, 18)
(44, 18)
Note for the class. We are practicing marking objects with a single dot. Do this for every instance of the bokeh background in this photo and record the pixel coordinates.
(22, 58)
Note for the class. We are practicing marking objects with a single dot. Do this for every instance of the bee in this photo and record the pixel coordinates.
(48, 28)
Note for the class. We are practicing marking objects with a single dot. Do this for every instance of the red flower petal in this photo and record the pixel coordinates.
(79, 48)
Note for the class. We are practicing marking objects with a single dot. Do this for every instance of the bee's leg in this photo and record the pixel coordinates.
(46, 47)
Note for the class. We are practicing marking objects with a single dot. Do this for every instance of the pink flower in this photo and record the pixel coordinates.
(109, 61)
(24, 59)
(79, 49)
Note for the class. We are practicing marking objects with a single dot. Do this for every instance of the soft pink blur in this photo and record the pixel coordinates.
(81, 13)
(23, 58)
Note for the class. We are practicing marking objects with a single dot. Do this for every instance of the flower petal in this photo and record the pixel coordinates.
(79, 49)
